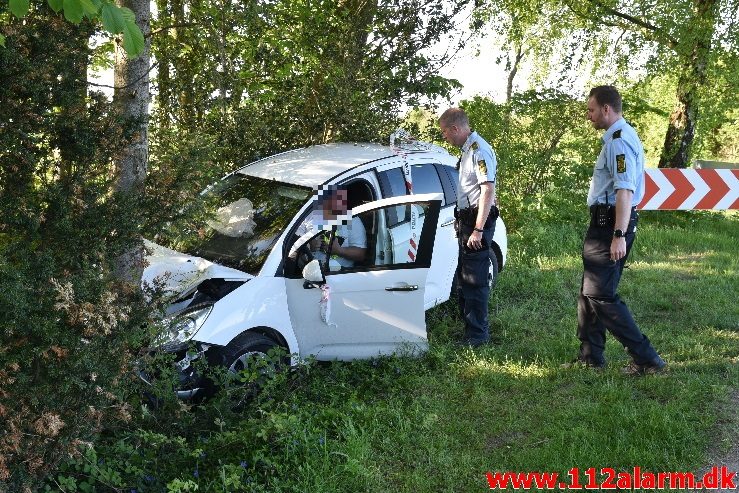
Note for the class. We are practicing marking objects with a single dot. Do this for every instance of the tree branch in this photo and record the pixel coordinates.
(174, 26)
(127, 85)
(656, 32)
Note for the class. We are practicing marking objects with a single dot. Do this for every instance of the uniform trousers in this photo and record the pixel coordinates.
(599, 306)
(473, 288)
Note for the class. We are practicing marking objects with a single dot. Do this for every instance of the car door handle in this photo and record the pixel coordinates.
(447, 223)
(402, 287)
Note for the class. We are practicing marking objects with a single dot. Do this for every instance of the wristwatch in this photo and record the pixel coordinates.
(619, 234)
(478, 230)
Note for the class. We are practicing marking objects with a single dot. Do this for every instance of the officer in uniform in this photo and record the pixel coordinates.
(475, 217)
(616, 188)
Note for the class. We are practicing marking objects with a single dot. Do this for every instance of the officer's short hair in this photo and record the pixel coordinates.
(607, 95)
(454, 116)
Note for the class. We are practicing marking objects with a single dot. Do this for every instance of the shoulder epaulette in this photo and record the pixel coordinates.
(617, 134)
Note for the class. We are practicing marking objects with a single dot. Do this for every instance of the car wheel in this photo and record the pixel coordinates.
(249, 352)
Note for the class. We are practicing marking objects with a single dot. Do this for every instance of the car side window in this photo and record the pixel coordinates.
(397, 246)
(453, 175)
(392, 182)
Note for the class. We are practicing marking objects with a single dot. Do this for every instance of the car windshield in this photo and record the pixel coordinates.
(245, 216)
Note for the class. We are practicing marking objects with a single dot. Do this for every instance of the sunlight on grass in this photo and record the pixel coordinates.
(473, 364)
(686, 263)
(560, 262)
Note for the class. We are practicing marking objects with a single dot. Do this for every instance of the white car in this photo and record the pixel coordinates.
(239, 288)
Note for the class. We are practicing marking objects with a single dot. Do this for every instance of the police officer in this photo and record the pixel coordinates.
(616, 188)
(475, 217)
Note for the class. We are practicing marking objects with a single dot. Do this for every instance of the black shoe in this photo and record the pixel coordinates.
(474, 344)
(584, 363)
(634, 369)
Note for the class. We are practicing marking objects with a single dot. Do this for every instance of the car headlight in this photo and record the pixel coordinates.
(182, 328)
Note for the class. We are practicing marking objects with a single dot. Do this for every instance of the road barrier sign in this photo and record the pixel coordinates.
(687, 189)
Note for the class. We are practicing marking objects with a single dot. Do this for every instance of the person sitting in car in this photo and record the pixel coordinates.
(350, 242)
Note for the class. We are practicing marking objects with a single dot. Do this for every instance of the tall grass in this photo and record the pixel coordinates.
(438, 423)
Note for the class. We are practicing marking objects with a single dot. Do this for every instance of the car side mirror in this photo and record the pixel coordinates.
(312, 272)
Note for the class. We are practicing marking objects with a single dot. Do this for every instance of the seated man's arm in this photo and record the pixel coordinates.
(355, 244)
(352, 253)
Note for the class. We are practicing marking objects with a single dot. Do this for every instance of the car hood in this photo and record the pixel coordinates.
(176, 273)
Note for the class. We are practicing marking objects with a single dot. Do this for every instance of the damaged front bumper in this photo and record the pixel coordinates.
(190, 383)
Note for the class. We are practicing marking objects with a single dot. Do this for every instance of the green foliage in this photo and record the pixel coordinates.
(116, 20)
(69, 330)
(636, 39)
(439, 422)
(272, 76)
(19, 8)
(544, 150)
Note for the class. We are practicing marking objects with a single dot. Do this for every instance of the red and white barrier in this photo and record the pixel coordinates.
(686, 189)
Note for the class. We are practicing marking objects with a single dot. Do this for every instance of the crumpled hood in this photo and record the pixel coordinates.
(177, 272)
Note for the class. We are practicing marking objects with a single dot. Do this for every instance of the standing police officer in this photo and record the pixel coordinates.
(616, 188)
(475, 217)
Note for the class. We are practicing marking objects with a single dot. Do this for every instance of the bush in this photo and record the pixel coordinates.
(544, 151)
(69, 330)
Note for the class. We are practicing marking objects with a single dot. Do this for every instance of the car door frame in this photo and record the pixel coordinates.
(442, 272)
(373, 310)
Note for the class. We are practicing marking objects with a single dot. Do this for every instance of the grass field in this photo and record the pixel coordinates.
(439, 423)
(445, 420)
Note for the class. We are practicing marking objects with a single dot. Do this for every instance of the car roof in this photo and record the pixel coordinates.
(315, 165)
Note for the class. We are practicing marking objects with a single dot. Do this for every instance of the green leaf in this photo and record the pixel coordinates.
(73, 11)
(56, 5)
(112, 19)
(89, 7)
(2, 40)
(133, 39)
(128, 14)
(19, 7)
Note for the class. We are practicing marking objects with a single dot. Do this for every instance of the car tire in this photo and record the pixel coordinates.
(237, 355)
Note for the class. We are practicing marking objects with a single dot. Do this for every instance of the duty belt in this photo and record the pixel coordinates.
(469, 214)
(604, 215)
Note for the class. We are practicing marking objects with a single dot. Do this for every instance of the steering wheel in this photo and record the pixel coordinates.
(305, 255)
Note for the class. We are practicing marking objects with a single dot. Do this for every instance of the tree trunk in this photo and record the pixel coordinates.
(681, 129)
(514, 71)
(187, 113)
(131, 98)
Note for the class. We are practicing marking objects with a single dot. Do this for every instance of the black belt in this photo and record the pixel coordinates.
(594, 207)
(471, 212)
(604, 215)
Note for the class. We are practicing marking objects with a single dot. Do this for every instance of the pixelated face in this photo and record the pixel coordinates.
(333, 201)
(336, 205)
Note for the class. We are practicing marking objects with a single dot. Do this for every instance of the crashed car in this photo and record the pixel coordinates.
(248, 281)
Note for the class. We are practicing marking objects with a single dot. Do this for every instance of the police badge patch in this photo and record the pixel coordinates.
(621, 163)
(483, 167)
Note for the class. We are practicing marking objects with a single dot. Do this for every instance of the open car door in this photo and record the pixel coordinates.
(375, 306)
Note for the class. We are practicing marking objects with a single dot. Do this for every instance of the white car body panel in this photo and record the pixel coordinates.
(261, 302)
(365, 319)
(176, 273)
(315, 165)
(359, 299)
